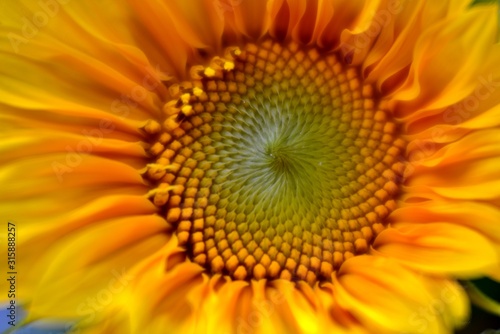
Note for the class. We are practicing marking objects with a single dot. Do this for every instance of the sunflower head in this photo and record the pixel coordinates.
(295, 166)
(275, 161)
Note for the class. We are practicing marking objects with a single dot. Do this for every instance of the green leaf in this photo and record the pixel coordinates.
(477, 291)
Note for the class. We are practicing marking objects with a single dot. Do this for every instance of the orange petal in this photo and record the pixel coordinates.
(355, 19)
(458, 63)
(396, 29)
(447, 171)
(478, 145)
(159, 30)
(477, 110)
(200, 23)
(247, 18)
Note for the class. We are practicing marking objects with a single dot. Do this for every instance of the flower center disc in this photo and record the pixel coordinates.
(275, 162)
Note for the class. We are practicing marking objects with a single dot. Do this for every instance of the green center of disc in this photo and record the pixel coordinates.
(277, 158)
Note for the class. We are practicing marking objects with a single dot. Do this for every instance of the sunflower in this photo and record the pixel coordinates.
(234, 166)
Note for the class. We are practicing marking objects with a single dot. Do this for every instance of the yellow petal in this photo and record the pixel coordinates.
(89, 269)
(389, 298)
(480, 217)
(165, 280)
(477, 179)
(438, 248)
